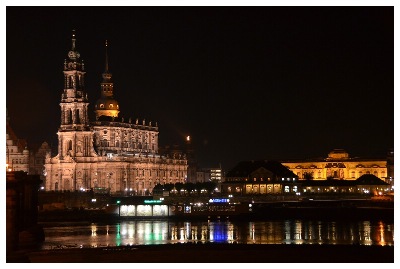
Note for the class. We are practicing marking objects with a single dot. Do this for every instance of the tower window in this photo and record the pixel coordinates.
(78, 119)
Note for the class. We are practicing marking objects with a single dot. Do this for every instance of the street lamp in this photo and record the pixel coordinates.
(119, 208)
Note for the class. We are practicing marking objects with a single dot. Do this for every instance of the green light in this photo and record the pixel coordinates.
(118, 202)
(152, 201)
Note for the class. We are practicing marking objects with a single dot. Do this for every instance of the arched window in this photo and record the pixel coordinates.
(104, 143)
(78, 119)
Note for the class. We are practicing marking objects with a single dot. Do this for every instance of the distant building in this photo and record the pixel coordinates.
(260, 177)
(208, 174)
(17, 153)
(111, 154)
(37, 160)
(366, 184)
(390, 166)
(216, 174)
(339, 165)
(202, 176)
(269, 178)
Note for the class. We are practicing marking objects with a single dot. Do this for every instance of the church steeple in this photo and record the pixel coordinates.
(107, 105)
(74, 99)
(107, 85)
(74, 135)
(106, 70)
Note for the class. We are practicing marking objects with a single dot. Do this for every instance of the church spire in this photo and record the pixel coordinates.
(106, 58)
(73, 40)
(106, 75)
(106, 105)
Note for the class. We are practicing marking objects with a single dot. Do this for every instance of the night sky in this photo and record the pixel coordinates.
(244, 82)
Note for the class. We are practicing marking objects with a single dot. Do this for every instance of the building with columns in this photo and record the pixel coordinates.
(110, 154)
(339, 165)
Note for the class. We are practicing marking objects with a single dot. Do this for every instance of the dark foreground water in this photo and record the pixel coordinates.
(157, 232)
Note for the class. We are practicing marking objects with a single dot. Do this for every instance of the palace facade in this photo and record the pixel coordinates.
(110, 154)
(339, 165)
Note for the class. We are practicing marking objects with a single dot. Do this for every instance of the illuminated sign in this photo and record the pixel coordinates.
(219, 200)
(152, 201)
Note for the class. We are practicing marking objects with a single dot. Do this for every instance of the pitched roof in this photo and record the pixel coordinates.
(245, 168)
(21, 143)
(370, 179)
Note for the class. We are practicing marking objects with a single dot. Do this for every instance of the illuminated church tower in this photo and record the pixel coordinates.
(74, 134)
(106, 105)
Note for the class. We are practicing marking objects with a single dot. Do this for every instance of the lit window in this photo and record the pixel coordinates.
(101, 105)
(111, 105)
(286, 188)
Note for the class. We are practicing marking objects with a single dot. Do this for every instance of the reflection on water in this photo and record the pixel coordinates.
(258, 232)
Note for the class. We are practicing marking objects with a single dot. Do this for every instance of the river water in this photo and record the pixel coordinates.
(152, 232)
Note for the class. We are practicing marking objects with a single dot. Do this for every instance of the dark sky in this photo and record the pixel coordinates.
(245, 82)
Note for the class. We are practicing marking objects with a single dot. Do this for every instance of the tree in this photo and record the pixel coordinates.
(190, 187)
(308, 176)
(210, 186)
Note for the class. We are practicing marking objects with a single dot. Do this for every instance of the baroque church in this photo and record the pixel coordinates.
(110, 154)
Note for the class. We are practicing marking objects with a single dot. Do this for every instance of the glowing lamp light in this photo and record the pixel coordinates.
(188, 138)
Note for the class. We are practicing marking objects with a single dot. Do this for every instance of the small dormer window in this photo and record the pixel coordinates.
(101, 105)
(111, 105)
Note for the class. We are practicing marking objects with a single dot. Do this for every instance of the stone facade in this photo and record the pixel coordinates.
(339, 165)
(17, 153)
(37, 159)
(110, 154)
